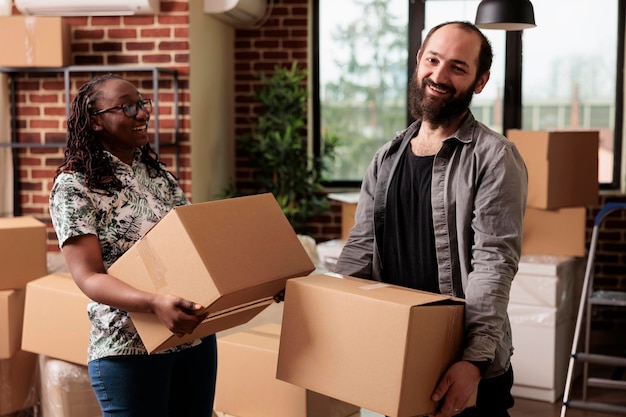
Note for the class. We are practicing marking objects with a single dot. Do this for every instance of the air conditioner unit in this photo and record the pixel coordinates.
(238, 13)
(87, 7)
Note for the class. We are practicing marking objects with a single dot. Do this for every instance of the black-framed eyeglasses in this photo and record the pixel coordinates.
(130, 109)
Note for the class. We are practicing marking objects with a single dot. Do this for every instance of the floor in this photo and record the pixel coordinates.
(523, 407)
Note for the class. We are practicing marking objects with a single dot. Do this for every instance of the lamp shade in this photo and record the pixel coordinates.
(505, 14)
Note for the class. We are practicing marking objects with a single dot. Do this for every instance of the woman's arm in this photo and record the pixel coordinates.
(84, 259)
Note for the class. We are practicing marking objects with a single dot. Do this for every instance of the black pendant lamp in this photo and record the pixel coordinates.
(510, 15)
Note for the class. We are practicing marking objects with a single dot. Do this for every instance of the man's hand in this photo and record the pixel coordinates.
(455, 389)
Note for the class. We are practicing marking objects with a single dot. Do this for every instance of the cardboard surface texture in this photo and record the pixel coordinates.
(34, 41)
(230, 256)
(555, 232)
(18, 379)
(22, 251)
(348, 210)
(562, 167)
(55, 319)
(375, 345)
(11, 318)
(247, 384)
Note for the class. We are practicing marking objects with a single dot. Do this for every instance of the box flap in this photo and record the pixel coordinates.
(245, 241)
(378, 290)
(19, 222)
(156, 338)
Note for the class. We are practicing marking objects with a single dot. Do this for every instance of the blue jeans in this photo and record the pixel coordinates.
(158, 385)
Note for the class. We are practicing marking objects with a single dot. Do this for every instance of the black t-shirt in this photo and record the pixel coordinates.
(408, 247)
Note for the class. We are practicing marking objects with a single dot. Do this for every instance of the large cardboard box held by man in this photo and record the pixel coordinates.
(22, 251)
(379, 346)
(230, 256)
(247, 384)
(562, 167)
(56, 323)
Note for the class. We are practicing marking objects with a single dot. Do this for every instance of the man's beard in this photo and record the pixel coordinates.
(438, 112)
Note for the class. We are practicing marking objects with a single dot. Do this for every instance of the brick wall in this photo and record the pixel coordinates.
(159, 40)
(280, 41)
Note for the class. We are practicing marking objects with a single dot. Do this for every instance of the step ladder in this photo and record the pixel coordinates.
(590, 298)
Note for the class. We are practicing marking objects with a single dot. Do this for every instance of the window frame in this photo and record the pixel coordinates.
(512, 95)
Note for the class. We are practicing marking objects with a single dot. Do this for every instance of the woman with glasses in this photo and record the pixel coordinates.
(109, 191)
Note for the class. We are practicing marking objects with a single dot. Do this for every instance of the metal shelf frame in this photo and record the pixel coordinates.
(156, 72)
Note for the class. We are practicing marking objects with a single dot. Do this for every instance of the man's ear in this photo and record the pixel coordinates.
(482, 81)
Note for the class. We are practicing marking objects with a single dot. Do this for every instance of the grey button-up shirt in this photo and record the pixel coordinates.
(479, 189)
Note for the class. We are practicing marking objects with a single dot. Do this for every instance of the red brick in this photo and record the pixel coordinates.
(122, 33)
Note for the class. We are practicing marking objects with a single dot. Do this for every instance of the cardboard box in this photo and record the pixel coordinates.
(555, 232)
(66, 390)
(18, 382)
(230, 256)
(541, 335)
(547, 281)
(562, 167)
(348, 209)
(35, 41)
(22, 251)
(55, 319)
(247, 384)
(375, 345)
(11, 318)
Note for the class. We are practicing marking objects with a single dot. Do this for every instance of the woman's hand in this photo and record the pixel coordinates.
(180, 316)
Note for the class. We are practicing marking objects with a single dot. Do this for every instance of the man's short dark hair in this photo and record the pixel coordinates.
(485, 57)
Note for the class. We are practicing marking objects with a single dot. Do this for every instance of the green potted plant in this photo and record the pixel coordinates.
(277, 147)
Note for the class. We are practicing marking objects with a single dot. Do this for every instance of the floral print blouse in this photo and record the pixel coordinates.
(118, 220)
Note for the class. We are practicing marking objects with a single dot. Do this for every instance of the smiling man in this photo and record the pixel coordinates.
(441, 209)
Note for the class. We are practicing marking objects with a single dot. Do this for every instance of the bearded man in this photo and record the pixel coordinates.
(441, 209)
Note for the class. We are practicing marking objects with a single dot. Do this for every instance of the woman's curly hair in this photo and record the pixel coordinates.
(85, 154)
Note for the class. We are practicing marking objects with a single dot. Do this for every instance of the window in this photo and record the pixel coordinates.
(571, 82)
(362, 78)
(366, 51)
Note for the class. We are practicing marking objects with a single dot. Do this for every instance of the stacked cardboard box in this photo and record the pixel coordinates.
(348, 203)
(56, 328)
(35, 41)
(247, 384)
(56, 324)
(22, 259)
(562, 183)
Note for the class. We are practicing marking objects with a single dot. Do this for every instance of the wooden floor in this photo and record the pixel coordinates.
(530, 408)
